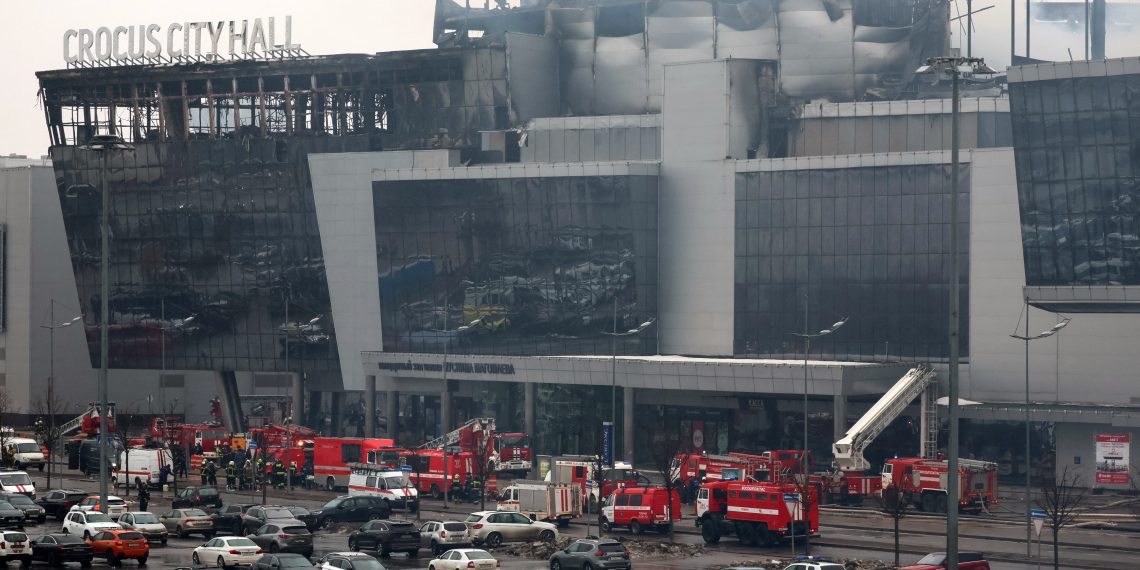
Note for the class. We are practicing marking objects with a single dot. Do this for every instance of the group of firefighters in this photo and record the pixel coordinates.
(242, 473)
(465, 489)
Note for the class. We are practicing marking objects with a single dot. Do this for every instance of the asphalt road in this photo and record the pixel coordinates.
(845, 534)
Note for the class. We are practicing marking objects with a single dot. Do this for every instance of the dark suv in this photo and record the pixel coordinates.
(259, 516)
(58, 502)
(228, 518)
(386, 537)
(197, 497)
(352, 509)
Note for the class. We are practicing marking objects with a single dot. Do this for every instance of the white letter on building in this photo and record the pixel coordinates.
(67, 57)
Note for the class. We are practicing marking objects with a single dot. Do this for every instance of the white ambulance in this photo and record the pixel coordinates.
(25, 453)
(392, 485)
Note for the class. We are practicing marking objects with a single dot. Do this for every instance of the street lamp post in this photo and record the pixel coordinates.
(51, 377)
(807, 351)
(444, 426)
(953, 66)
(103, 144)
(613, 361)
(1026, 338)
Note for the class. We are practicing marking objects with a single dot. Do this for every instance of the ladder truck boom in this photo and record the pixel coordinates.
(849, 450)
(484, 425)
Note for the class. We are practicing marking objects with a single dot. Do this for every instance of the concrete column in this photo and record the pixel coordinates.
(297, 395)
(391, 410)
(840, 417)
(528, 409)
(627, 423)
(369, 406)
(445, 412)
(336, 405)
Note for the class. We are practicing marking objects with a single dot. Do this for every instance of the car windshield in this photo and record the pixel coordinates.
(278, 514)
(145, 518)
(68, 539)
(295, 530)
(611, 547)
(6, 506)
(114, 501)
(366, 564)
(395, 482)
(455, 527)
(403, 527)
(194, 513)
(130, 536)
(479, 555)
(208, 492)
(239, 542)
(334, 503)
(15, 537)
(475, 518)
(295, 562)
(298, 511)
(97, 517)
(20, 500)
(514, 441)
(28, 448)
(832, 567)
(935, 559)
(13, 479)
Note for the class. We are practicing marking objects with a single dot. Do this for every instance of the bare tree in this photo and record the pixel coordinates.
(893, 504)
(598, 476)
(1063, 502)
(48, 430)
(481, 456)
(663, 448)
(6, 432)
(125, 422)
(808, 492)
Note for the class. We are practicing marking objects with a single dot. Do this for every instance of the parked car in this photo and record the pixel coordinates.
(258, 516)
(16, 481)
(386, 537)
(85, 523)
(184, 522)
(228, 518)
(10, 516)
(815, 565)
(144, 523)
(352, 509)
(590, 553)
(281, 562)
(349, 561)
(197, 497)
(55, 549)
(493, 528)
(116, 506)
(226, 552)
(284, 536)
(84, 455)
(58, 503)
(304, 515)
(15, 546)
(464, 558)
(966, 561)
(25, 453)
(441, 536)
(31, 510)
(119, 545)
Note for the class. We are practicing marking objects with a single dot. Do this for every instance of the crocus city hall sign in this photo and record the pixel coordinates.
(181, 42)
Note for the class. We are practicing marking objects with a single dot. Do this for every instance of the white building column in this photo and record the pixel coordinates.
(391, 410)
(369, 406)
(627, 424)
(445, 412)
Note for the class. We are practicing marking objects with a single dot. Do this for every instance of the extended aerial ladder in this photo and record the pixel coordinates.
(918, 381)
(89, 420)
(484, 425)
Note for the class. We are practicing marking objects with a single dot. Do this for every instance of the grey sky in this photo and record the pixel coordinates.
(31, 39)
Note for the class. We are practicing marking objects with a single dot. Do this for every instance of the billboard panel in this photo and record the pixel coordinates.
(1112, 459)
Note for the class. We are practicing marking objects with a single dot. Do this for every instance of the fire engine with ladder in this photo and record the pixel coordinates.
(503, 452)
(922, 480)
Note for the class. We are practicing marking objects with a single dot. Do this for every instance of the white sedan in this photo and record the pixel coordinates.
(86, 524)
(227, 551)
(464, 558)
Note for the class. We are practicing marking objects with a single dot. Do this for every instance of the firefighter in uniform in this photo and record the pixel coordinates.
(456, 488)
(476, 490)
(204, 472)
(230, 472)
(279, 474)
(245, 473)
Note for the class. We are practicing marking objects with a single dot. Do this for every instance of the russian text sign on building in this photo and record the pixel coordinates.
(181, 42)
(1112, 452)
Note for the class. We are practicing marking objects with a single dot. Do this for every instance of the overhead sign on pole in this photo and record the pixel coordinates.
(1038, 516)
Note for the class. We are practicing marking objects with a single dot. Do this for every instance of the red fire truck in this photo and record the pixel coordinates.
(923, 483)
(505, 452)
(757, 513)
(427, 471)
(332, 456)
(640, 508)
(579, 470)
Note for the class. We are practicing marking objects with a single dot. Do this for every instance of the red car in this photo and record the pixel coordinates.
(117, 545)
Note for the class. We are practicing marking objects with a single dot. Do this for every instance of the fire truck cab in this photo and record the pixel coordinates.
(759, 514)
(640, 508)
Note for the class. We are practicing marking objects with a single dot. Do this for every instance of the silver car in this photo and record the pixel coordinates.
(284, 536)
(591, 554)
(145, 523)
(494, 528)
(441, 536)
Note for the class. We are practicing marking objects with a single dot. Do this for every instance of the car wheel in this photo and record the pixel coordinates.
(53, 560)
(384, 553)
(274, 548)
(84, 563)
(164, 542)
(414, 553)
(330, 484)
(142, 561)
(546, 536)
(197, 561)
(635, 527)
(353, 546)
(555, 565)
(221, 562)
(587, 566)
(605, 525)
(86, 536)
(115, 561)
(181, 533)
(494, 540)
(431, 567)
(208, 534)
(435, 549)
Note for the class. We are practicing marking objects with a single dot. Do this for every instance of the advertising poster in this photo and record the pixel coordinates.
(1112, 459)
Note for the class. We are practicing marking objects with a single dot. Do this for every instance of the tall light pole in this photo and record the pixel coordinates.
(953, 66)
(51, 377)
(807, 351)
(613, 360)
(444, 426)
(103, 144)
(1026, 338)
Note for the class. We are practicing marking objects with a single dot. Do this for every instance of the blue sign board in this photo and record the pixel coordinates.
(1038, 514)
(608, 443)
(791, 498)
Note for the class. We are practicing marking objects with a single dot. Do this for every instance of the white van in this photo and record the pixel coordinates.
(25, 453)
(391, 485)
(141, 462)
(15, 481)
